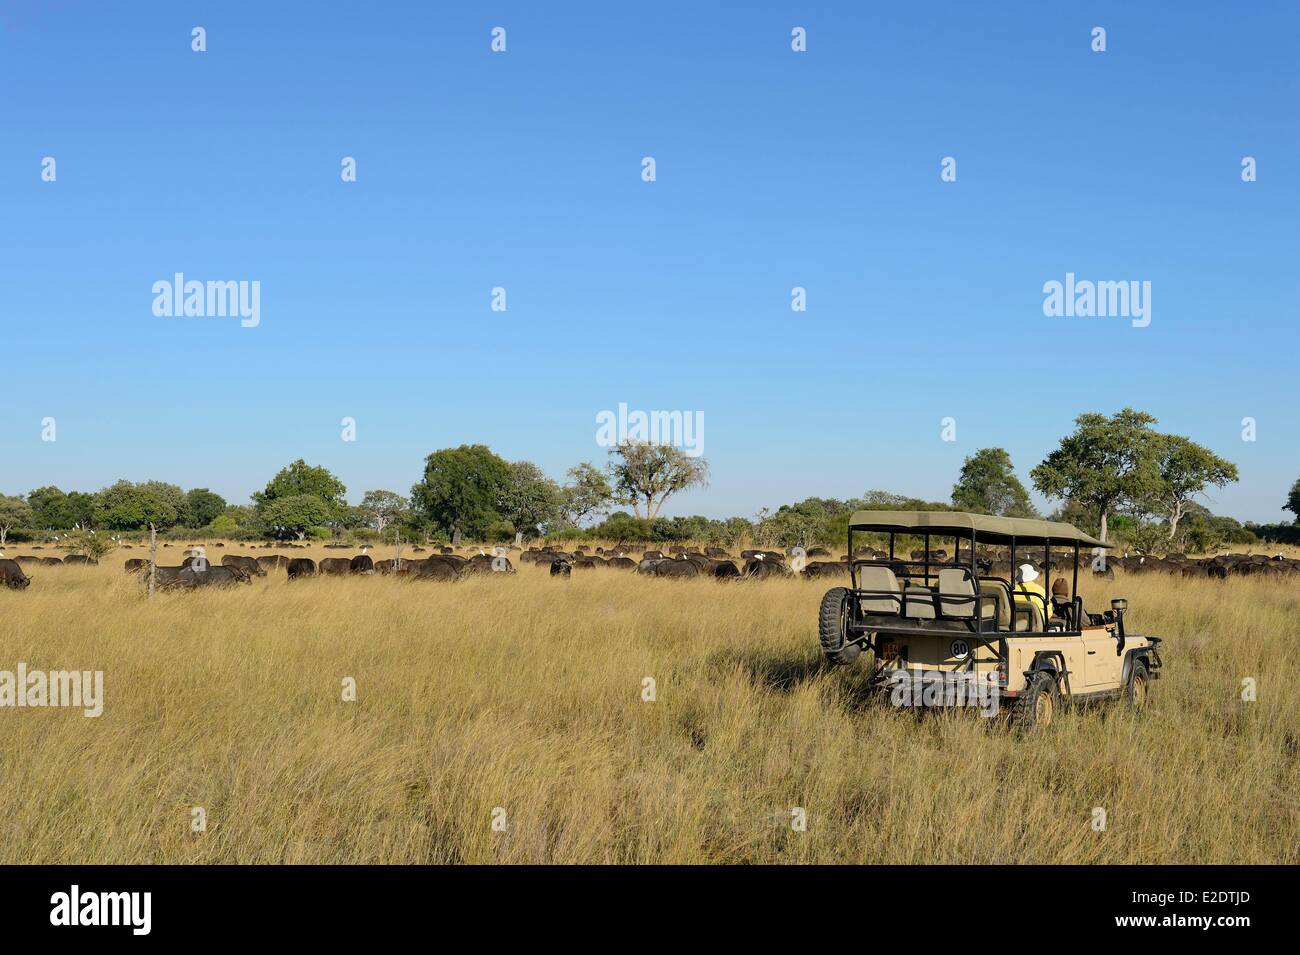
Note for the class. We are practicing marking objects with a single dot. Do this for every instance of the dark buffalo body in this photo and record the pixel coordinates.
(191, 578)
(11, 573)
(248, 565)
(301, 567)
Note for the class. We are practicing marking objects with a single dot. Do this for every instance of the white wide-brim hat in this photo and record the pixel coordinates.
(1027, 573)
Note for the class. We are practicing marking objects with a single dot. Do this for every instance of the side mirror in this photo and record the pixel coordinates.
(1118, 606)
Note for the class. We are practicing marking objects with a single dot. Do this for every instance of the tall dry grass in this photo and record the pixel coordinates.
(524, 693)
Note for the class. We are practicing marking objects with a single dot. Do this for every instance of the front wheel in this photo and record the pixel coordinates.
(833, 622)
(1135, 694)
(1037, 704)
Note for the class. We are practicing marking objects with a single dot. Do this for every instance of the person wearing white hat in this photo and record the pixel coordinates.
(1034, 593)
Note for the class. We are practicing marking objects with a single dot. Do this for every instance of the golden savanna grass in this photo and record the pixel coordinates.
(525, 693)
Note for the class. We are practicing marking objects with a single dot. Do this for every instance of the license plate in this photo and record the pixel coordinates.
(888, 651)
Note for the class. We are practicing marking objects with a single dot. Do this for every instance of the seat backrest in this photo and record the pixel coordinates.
(1029, 616)
(956, 592)
(997, 593)
(879, 579)
(918, 602)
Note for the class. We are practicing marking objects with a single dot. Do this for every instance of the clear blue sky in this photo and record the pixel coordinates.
(522, 170)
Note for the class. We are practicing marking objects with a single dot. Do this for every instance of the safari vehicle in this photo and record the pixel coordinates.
(944, 630)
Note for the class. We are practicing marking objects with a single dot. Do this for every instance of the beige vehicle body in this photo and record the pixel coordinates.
(951, 631)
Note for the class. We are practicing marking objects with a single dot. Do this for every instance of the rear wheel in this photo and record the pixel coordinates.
(832, 626)
(1135, 694)
(1037, 705)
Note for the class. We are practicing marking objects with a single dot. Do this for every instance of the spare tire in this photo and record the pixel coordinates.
(832, 627)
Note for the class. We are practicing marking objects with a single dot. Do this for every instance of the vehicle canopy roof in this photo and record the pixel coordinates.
(987, 528)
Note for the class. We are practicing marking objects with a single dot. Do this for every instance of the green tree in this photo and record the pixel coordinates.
(49, 509)
(988, 485)
(587, 495)
(1293, 501)
(201, 507)
(1105, 464)
(241, 514)
(127, 507)
(379, 509)
(530, 500)
(1186, 469)
(301, 478)
(82, 509)
(87, 542)
(14, 512)
(462, 490)
(646, 475)
(222, 526)
(295, 515)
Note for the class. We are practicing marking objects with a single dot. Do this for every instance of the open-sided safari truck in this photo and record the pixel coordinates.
(948, 631)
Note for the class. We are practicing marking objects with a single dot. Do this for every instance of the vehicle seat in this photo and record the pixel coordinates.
(957, 594)
(997, 593)
(918, 602)
(879, 579)
(1029, 616)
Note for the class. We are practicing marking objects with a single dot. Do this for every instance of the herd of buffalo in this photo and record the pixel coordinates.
(446, 565)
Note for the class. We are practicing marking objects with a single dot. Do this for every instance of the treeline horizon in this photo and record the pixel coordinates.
(1115, 477)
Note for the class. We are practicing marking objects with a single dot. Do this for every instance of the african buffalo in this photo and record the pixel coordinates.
(134, 564)
(248, 565)
(761, 568)
(11, 573)
(188, 578)
(432, 568)
(271, 561)
(724, 570)
(362, 564)
(79, 559)
(825, 568)
(560, 567)
(301, 567)
(621, 563)
(676, 568)
(335, 565)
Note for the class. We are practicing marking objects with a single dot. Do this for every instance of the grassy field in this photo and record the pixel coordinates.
(523, 694)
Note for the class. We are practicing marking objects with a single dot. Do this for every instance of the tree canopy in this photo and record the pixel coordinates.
(125, 506)
(202, 507)
(14, 512)
(1104, 464)
(1293, 501)
(988, 485)
(462, 489)
(1185, 470)
(301, 478)
(646, 475)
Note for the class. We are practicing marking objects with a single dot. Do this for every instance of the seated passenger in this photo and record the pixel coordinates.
(1060, 597)
(1062, 605)
(1025, 577)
